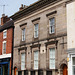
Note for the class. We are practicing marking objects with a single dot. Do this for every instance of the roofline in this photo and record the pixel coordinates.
(8, 27)
(32, 7)
(24, 9)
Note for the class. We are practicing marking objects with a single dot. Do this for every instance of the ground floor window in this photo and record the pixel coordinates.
(22, 61)
(19, 72)
(40, 72)
(49, 73)
(36, 53)
(52, 58)
(4, 66)
(32, 72)
(4, 69)
(25, 72)
(73, 66)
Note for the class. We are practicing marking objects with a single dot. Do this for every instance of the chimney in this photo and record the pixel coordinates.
(25, 6)
(21, 7)
(4, 19)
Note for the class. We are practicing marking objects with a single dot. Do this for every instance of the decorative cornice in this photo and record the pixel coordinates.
(54, 12)
(23, 48)
(71, 50)
(36, 45)
(36, 19)
(53, 37)
(36, 6)
(23, 24)
(51, 42)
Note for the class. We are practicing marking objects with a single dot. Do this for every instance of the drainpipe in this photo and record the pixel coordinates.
(12, 51)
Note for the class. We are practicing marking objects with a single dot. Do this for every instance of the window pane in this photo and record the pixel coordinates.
(23, 61)
(36, 60)
(36, 31)
(53, 29)
(52, 58)
(4, 34)
(52, 25)
(36, 27)
(73, 60)
(73, 70)
(4, 48)
(52, 21)
(23, 34)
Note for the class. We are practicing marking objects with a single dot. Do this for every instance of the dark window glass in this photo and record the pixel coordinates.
(49, 73)
(32, 72)
(19, 72)
(25, 72)
(40, 72)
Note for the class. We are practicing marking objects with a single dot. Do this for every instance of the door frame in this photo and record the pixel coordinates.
(2, 63)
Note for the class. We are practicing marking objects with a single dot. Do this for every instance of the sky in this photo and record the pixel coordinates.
(12, 6)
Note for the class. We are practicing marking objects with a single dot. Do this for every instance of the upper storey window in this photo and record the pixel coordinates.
(23, 31)
(36, 27)
(4, 47)
(23, 34)
(36, 31)
(52, 25)
(4, 34)
(52, 21)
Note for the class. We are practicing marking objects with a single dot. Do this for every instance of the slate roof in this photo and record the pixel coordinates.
(7, 25)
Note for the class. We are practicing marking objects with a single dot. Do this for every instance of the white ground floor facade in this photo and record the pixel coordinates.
(71, 62)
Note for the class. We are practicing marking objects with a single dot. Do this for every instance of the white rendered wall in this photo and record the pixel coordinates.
(71, 25)
(70, 32)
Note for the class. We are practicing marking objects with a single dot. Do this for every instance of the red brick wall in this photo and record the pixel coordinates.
(8, 41)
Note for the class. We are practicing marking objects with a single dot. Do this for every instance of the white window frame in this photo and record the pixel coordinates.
(4, 42)
(52, 58)
(51, 26)
(4, 35)
(23, 34)
(36, 58)
(36, 31)
(22, 61)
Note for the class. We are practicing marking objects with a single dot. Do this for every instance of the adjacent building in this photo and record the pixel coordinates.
(6, 43)
(40, 39)
(71, 37)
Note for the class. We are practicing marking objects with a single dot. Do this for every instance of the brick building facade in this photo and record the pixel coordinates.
(6, 38)
(40, 39)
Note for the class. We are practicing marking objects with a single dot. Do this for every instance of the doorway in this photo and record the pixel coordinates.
(15, 69)
(64, 68)
(5, 69)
